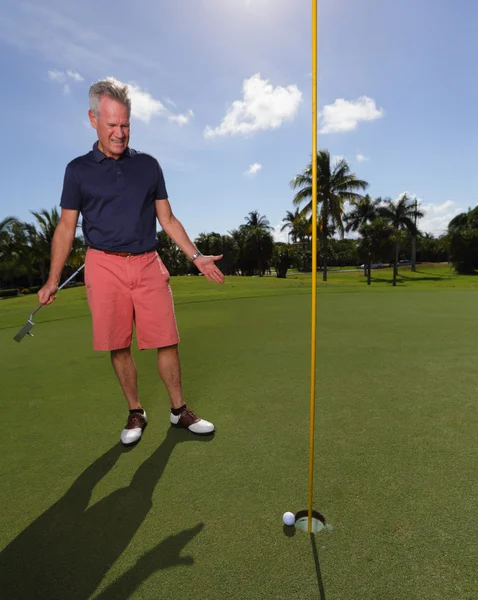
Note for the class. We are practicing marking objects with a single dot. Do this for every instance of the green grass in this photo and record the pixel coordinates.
(395, 462)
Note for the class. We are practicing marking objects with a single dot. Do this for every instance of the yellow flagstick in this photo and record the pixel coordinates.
(314, 260)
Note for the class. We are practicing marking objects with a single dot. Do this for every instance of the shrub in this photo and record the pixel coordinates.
(282, 260)
(9, 293)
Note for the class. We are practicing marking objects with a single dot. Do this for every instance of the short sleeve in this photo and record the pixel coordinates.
(161, 192)
(71, 194)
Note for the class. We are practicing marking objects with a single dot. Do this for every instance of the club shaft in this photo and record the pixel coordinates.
(61, 287)
(70, 278)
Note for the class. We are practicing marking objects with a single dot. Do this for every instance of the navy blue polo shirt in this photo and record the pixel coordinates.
(116, 199)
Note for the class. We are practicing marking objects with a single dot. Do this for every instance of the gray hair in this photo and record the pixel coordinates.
(112, 88)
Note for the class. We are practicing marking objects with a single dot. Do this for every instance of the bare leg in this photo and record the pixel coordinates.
(170, 371)
(125, 369)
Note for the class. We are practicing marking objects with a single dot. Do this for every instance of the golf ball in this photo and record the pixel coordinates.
(288, 518)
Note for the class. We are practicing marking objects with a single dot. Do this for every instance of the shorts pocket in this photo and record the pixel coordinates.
(163, 269)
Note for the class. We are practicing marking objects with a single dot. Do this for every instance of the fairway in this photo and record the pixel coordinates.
(200, 519)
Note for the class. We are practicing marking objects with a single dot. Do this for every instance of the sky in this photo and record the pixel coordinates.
(221, 93)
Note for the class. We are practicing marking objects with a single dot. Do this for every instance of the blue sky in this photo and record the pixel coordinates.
(222, 98)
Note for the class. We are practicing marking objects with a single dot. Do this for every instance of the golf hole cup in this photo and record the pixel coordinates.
(288, 519)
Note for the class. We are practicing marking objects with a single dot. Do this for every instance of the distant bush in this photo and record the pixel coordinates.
(463, 242)
(9, 293)
(32, 290)
(76, 284)
(282, 259)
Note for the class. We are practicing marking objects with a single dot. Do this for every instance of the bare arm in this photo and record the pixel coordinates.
(60, 250)
(176, 231)
(174, 228)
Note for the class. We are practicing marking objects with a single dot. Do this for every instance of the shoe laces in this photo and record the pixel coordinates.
(135, 420)
(189, 413)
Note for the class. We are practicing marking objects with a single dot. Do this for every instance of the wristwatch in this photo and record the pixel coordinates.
(196, 255)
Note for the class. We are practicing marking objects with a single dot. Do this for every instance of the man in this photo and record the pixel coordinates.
(120, 192)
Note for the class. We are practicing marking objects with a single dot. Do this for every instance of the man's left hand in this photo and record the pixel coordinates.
(206, 264)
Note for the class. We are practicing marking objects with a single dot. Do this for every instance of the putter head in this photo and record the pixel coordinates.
(25, 330)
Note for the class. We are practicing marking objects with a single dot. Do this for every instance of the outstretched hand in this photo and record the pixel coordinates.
(207, 266)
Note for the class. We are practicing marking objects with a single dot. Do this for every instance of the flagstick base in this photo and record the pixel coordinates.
(302, 521)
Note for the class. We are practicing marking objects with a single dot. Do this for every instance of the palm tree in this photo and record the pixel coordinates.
(462, 240)
(254, 244)
(215, 243)
(259, 247)
(291, 221)
(46, 225)
(401, 215)
(6, 226)
(20, 249)
(203, 243)
(335, 186)
(300, 230)
(374, 237)
(254, 219)
(239, 236)
(303, 229)
(363, 211)
(427, 246)
(47, 222)
(175, 260)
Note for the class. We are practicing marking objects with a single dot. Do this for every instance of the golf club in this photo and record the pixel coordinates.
(25, 330)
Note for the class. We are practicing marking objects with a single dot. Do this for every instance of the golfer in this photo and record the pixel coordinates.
(120, 192)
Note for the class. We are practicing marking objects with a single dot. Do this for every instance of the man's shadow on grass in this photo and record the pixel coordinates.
(67, 551)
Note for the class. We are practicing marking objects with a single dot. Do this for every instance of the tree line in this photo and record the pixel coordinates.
(386, 232)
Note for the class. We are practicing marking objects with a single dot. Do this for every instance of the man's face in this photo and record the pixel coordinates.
(112, 127)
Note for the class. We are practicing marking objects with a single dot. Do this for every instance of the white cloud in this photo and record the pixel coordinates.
(182, 119)
(75, 75)
(57, 76)
(344, 115)
(62, 77)
(253, 169)
(362, 158)
(143, 105)
(169, 101)
(278, 235)
(437, 216)
(262, 107)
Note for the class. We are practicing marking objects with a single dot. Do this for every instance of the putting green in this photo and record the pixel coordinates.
(187, 518)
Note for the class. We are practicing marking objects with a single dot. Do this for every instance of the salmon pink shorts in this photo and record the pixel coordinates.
(129, 292)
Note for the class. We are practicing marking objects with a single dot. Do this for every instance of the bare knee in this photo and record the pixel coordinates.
(167, 349)
(120, 354)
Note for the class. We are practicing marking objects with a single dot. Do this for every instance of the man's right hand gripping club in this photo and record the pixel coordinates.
(47, 293)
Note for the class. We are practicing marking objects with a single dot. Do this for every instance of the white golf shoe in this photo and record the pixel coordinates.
(188, 420)
(134, 428)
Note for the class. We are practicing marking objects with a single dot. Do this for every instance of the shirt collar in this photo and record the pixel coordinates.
(101, 156)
